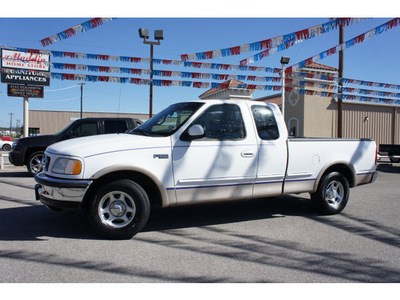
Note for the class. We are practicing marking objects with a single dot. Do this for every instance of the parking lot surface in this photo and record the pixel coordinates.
(265, 240)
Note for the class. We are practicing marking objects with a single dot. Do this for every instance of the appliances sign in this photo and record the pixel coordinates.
(25, 77)
(23, 60)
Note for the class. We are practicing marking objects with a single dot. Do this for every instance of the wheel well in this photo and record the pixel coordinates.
(144, 181)
(343, 169)
(30, 151)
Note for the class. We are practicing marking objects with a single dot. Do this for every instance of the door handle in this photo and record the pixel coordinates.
(247, 154)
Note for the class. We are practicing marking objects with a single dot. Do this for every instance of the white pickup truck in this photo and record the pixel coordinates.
(196, 152)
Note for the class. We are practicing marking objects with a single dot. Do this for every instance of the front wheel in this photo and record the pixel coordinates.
(119, 210)
(332, 194)
(36, 162)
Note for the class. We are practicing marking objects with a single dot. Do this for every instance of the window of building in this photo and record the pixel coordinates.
(33, 131)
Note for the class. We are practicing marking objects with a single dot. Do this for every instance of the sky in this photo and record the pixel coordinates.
(187, 29)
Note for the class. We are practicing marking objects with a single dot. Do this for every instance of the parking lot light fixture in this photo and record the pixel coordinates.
(284, 61)
(158, 36)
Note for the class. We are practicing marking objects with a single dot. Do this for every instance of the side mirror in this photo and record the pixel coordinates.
(70, 134)
(196, 131)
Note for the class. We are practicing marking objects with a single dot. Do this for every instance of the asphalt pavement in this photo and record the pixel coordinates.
(260, 241)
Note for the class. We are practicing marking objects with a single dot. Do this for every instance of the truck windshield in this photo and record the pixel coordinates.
(168, 121)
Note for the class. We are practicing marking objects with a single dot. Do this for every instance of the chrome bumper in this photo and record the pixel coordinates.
(63, 190)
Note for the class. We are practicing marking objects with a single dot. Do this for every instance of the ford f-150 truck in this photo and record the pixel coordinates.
(197, 152)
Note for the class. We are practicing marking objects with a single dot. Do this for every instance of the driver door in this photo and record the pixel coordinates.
(222, 164)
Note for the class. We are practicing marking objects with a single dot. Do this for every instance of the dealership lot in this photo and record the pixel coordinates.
(264, 240)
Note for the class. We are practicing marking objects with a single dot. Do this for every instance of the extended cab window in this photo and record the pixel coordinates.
(115, 126)
(265, 121)
(222, 122)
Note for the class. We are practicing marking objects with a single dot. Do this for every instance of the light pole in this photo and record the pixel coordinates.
(284, 61)
(340, 87)
(82, 84)
(11, 114)
(158, 36)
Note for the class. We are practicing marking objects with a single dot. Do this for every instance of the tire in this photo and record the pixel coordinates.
(6, 147)
(332, 194)
(394, 159)
(36, 162)
(119, 210)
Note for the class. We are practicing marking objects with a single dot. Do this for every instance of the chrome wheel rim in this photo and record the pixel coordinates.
(37, 163)
(334, 193)
(116, 209)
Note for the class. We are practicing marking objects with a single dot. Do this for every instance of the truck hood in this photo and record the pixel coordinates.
(105, 143)
(38, 140)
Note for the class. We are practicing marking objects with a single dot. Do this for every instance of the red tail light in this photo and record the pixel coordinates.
(376, 156)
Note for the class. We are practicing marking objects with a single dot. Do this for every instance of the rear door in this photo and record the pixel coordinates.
(272, 153)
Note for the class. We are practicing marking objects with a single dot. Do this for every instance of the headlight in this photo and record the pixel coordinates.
(15, 143)
(67, 166)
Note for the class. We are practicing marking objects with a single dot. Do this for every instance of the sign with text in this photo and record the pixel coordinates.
(24, 60)
(18, 90)
(25, 77)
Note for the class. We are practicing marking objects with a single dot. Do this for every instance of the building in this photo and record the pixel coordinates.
(43, 122)
(229, 90)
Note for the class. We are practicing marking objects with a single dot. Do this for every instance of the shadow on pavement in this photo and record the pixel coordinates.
(388, 168)
(18, 174)
(36, 221)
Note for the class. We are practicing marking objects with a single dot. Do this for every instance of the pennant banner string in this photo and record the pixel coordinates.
(303, 35)
(350, 43)
(156, 82)
(93, 23)
(127, 59)
(162, 73)
(274, 43)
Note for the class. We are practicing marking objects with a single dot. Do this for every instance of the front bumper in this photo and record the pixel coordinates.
(61, 195)
(16, 157)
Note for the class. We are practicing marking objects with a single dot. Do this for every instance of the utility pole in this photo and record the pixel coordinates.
(82, 84)
(11, 114)
(340, 87)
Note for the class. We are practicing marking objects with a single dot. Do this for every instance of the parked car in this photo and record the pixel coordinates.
(5, 144)
(390, 150)
(29, 151)
(196, 152)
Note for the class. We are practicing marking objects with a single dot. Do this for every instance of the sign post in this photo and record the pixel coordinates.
(26, 117)
(25, 68)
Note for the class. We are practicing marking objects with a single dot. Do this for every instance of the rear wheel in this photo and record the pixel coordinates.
(394, 159)
(332, 194)
(36, 162)
(119, 210)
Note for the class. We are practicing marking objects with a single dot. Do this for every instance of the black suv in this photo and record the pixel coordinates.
(29, 151)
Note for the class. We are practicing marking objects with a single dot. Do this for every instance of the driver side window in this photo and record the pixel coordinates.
(85, 129)
(222, 122)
